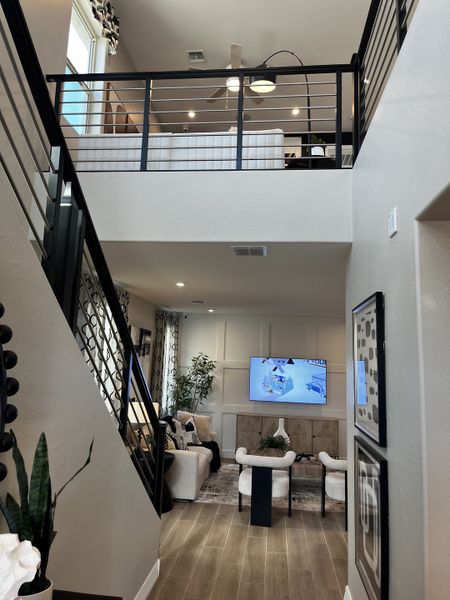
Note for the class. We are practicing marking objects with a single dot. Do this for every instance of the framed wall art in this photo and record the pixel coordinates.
(371, 520)
(369, 368)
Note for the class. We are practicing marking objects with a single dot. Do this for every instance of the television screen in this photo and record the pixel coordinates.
(290, 380)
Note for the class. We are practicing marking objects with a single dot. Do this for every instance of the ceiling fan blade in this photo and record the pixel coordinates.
(217, 94)
(236, 50)
(254, 97)
(247, 117)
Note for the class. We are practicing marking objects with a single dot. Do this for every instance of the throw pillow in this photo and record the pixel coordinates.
(202, 424)
(179, 435)
(170, 442)
(183, 416)
(191, 435)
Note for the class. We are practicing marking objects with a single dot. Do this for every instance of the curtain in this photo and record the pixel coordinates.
(99, 340)
(165, 357)
(104, 12)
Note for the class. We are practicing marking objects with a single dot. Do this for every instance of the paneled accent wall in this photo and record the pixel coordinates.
(232, 339)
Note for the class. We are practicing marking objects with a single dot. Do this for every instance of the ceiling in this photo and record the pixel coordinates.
(158, 32)
(293, 279)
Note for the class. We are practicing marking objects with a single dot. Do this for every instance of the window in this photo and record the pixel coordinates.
(80, 59)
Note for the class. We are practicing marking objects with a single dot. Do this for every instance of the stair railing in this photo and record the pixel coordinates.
(40, 175)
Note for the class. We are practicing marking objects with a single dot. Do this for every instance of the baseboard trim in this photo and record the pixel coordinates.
(347, 595)
(148, 584)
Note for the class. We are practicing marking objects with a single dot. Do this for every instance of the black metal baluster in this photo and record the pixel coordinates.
(338, 120)
(400, 13)
(145, 126)
(240, 123)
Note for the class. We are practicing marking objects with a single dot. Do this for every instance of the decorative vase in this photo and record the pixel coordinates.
(317, 151)
(281, 431)
(47, 594)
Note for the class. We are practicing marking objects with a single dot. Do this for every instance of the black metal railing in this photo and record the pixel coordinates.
(314, 117)
(385, 30)
(36, 166)
(207, 120)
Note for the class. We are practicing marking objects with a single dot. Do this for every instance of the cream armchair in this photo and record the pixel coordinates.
(334, 480)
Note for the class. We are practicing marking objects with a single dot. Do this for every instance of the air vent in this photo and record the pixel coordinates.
(198, 301)
(196, 57)
(249, 250)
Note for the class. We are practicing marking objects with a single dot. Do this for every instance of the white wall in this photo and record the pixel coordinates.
(403, 162)
(434, 269)
(271, 206)
(108, 531)
(231, 340)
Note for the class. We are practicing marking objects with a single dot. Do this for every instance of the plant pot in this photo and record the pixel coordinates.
(44, 595)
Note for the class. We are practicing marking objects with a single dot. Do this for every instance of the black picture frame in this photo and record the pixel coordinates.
(371, 519)
(369, 369)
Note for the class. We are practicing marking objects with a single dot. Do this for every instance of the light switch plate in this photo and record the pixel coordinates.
(393, 222)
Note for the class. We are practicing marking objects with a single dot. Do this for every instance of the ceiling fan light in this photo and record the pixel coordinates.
(233, 84)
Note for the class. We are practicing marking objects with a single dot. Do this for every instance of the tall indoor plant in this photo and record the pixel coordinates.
(192, 388)
(33, 518)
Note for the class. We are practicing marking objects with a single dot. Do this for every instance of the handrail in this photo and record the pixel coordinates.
(203, 74)
(37, 84)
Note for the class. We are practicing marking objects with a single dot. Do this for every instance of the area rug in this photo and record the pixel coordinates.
(222, 487)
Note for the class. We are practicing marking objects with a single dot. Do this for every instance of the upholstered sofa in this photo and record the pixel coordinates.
(189, 471)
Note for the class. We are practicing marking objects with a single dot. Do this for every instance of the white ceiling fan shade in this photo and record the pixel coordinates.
(233, 84)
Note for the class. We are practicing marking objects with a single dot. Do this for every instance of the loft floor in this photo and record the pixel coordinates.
(210, 552)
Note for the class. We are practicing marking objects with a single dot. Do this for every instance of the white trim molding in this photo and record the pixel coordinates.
(149, 583)
(347, 595)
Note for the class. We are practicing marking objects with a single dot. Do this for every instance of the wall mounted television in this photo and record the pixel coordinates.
(288, 380)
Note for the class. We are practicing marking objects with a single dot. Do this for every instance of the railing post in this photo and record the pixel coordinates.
(400, 13)
(338, 119)
(160, 442)
(64, 242)
(145, 126)
(356, 106)
(240, 123)
(126, 387)
(58, 98)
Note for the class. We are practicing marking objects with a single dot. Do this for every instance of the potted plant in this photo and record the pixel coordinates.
(274, 445)
(33, 518)
(192, 388)
(318, 150)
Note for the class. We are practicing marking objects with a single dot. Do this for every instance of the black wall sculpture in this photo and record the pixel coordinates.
(8, 387)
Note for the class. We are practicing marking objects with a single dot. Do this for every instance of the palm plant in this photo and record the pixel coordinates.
(33, 519)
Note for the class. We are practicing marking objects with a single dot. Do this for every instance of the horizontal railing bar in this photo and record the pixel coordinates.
(82, 149)
(25, 95)
(67, 91)
(206, 74)
(186, 135)
(182, 159)
(370, 65)
(271, 97)
(378, 23)
(103, 101)
(84, 114)
(373, 88)
(370, 106)
(22, 206)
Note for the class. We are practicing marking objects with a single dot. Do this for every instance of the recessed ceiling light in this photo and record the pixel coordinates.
(295, 111)
(191, 114)
(210, 309)
(180, 284)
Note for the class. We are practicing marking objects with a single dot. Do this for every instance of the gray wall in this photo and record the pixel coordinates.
(404, 162)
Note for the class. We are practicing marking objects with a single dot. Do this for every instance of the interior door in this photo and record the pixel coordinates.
(325, 437)
(248, 434)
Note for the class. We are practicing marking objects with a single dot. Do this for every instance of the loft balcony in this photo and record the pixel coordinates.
(237, 119)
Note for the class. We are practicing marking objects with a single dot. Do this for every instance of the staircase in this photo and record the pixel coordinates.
(36, 167)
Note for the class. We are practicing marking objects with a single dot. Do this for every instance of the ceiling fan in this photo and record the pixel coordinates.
(232, 83)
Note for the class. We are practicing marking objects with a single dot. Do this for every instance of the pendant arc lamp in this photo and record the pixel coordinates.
(263, 83)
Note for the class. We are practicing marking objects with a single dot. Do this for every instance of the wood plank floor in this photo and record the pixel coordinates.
(211, 552)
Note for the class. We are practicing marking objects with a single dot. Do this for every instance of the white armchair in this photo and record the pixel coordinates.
(264, 478)
(334, 480)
